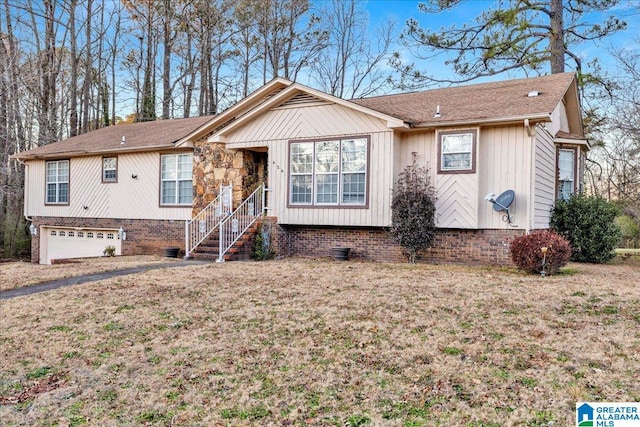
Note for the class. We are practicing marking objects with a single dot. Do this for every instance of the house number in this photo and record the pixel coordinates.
(234, 226)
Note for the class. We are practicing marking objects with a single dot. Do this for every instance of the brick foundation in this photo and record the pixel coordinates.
(150, 237)
(375, 244)
(144, 237)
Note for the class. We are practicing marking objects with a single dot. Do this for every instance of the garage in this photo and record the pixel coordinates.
(64, 243)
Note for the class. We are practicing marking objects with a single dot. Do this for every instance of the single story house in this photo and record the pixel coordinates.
(329, 167)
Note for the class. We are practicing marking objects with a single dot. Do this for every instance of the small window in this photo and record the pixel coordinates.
(89, 235)
(71, 234)
(566, 173)
(109, 169)
(99, 235)
(62, 234)
(110, 236)
(457, 152)
(53, 233)
(80, 234)
(57, 179)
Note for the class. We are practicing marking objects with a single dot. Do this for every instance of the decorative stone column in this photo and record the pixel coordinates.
(215, 165)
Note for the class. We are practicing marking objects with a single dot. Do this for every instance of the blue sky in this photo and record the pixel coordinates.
(401, 10)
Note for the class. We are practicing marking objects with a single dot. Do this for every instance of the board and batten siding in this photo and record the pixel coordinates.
(128, 198)
(504, 163)
(275, 128)
(545, 178)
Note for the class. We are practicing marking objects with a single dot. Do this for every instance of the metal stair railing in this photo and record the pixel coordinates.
(207, 220)
(238, 222)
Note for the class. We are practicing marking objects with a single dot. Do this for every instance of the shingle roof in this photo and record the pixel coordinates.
(159, 134)
(478, 102)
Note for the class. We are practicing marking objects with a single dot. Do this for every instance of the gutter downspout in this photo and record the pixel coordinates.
(26, 179)
(531, 132)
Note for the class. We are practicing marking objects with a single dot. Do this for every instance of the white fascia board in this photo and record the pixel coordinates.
(584, 142)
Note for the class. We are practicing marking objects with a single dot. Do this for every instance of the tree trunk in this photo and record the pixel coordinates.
(73, 95)
(88, 72)
(166, 70)
(556, 37)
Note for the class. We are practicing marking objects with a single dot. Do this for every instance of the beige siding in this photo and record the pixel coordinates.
(277, 127)
(545, 178)
(457, 204)
(559, 120)
(305, 122)
(129, 198)
(504, 163)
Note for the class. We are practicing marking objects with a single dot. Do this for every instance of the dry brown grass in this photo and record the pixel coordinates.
(313, 342)
(18, 274)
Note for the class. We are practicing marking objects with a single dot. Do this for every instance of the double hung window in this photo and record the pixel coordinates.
(176, 182)
(109, 169)
(328, 173)
(457, 152)
(566, 173)
(57, 182)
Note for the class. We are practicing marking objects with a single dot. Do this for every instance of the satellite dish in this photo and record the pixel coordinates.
(504, 200)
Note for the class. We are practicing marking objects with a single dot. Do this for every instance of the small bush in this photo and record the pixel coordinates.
(588, 223)
(413, 210)
(262, 247)
(528, 254)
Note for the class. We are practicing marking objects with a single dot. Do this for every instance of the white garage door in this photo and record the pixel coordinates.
(64, 243)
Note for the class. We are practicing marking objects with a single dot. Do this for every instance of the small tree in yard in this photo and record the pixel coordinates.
(587, 222)
(413, 210)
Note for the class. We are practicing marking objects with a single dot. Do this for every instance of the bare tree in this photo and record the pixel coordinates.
(290, 35)
(352, 65)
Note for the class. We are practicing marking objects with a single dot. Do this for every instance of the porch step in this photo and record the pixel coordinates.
(208, 250)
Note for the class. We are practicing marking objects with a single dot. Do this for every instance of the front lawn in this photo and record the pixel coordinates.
(303, 342)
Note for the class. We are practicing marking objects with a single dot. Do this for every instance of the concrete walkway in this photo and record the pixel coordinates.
(68, 281)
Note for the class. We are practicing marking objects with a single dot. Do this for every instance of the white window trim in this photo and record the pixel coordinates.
(57, 182)
(105, 169)
(561, 179)
(471, 152)
(177, 180)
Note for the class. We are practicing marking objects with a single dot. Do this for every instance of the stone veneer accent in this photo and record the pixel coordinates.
(144, 236)
(214, 164)
(375, 244)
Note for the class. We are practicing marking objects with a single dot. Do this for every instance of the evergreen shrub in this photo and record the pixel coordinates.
(413, 210)
(588, 223)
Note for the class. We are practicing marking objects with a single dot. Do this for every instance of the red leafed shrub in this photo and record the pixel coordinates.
(528, 253)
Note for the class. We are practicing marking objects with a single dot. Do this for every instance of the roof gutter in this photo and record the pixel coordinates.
(532, 119)
(97, 152)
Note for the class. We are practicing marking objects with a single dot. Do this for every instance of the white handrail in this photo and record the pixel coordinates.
(234, 225)
(207, 220)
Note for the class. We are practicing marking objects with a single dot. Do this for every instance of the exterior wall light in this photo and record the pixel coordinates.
(33, 230)
(122, 234)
